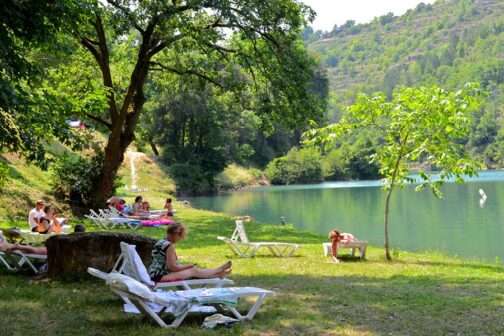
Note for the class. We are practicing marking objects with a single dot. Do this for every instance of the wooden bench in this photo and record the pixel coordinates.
(354, 245)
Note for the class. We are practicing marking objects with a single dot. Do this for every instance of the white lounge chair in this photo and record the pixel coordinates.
(179, 303)
(360, 245)
(19, 259)
(110, 219)
(130, 263)
(242, 247)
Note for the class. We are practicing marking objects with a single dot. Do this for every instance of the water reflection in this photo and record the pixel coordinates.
(419, 221)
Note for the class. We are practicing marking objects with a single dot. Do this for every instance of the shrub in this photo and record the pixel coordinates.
(234, 177)
(73, 176)
(191, 179)
(298, 166)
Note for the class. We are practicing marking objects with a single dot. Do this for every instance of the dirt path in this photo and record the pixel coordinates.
(132, 157)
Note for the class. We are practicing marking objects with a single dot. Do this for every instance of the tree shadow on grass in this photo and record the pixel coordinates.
(321, 305)
(398, 305)
(492, 268)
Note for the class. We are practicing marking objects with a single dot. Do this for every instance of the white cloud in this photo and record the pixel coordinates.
(331, 12)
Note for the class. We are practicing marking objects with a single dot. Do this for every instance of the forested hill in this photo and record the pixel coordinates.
(447, 43)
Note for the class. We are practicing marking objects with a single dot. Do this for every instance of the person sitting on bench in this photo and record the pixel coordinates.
(338, 237)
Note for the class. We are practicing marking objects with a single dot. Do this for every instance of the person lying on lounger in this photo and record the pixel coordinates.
(8, 247)
(338, 237)
(164, 266)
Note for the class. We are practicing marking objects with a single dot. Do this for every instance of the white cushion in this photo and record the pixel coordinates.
(137, 266)
(130, 285)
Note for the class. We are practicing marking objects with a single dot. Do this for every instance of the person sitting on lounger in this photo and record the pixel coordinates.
(8, 247)
(35, 215)
(146, 207)
(338, 237)
(137, 206)
(50, 223)
(164, 266)
(169, 207)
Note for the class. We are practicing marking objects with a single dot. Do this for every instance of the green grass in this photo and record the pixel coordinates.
(152, 179)
(417, 294)
(26, 184)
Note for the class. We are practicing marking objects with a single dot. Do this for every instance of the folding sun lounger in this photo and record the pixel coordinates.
(242, 247)
(20, 259)
(141, 298)
(130, 263)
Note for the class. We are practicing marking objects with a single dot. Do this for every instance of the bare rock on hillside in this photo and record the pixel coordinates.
(70, 255)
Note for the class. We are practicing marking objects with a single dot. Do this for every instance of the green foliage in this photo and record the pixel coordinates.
(417, 125)
(350, 159)
(236, 177)
(192, 179)
(446, 44)
(4, 174)
(298, 166)
(27, 121)
(73, 175)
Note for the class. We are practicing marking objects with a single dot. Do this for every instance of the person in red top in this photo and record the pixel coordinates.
(338, 237)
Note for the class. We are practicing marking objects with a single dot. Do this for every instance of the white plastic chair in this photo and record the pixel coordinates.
(242, 247)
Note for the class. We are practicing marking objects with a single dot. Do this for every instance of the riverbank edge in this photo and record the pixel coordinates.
(305, 281)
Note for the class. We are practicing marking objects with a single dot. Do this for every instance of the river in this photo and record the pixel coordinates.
(458, 224)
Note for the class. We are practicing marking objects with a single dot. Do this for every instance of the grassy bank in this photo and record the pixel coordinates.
(417, 294)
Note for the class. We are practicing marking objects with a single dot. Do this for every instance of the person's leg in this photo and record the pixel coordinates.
(334, 249)
(5, 247)
(193, 272)
(29, 249)
(224, 266)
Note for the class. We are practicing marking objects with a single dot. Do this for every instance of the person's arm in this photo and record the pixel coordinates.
(171, 261)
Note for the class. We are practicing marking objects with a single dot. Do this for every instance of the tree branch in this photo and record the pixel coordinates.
(103, 61)
(161, 44)
(91, 48)
(183, 72)
(98, 119)
(128, 14)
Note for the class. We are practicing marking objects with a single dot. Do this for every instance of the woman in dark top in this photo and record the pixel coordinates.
(164, 266)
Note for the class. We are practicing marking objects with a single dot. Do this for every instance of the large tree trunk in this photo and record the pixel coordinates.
(114, 156)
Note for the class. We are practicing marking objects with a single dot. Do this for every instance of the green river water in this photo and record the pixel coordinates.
(458, 224)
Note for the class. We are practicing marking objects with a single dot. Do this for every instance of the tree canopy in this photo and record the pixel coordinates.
(417, 125)
(231, 45)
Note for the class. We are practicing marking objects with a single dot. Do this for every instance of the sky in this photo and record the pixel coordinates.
(331, 12)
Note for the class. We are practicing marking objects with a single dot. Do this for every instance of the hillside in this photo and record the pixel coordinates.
(27, 183)
(448, 43)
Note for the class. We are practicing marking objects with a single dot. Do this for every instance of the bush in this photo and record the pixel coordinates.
(191, 179)
(235, 177)
(298, 166)
(73, 176)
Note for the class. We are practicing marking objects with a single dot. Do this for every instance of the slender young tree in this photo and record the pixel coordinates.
(418, 125)
(174, 36)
